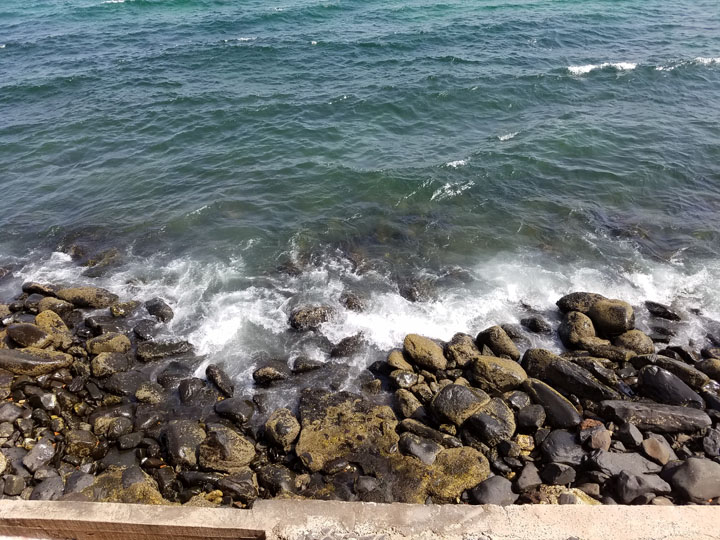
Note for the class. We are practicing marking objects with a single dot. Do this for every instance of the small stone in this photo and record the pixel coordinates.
(14, 485)
(39, 456)
(560, 412)
(529, 478)
(237, 409)
(183, 439)
(408, 404)
(574, 327)
(711, 443)
(600, 439)
(612, 463)
(578, 301)
(80, 443)
(629, 435)
(108, 363)
(50, 489)
(631, 486)
(494, 374)
(423, 449)
(152, 393)
(561, 446)
(635, 340)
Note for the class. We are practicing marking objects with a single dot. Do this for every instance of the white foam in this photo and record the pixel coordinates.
(457, 163)
(449, 190)
(587, 68)
(508, 136)
(240, 39)
(706, 61)
(113, 2)
(2, 45)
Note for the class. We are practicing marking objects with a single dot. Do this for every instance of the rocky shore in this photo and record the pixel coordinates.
(96, 407)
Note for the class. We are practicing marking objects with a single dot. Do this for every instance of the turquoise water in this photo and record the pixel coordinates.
(501, 152)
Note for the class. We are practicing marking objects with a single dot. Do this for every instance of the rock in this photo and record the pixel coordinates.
(241, 486)
(183, 438)
(537, 325)
(88, 297)
(9, 412)
(499, 342)
(612, 317)
(424, 352)
(353, 302)
(420, 429)
(494, 374)
(456, 470)
(276, 479)
(237, 409)
(60, 307)
(649, 416)
(403, 379)
(710, 367)
(423, 449)
(692, 376)
(195, 392)
(494, 490)
(342, 425)
(80, 443)
(153, 350)
(561, 446)
(108, 487)
(219, 378)
(601, 348)
(266, 376)
(408, 404)
(578, 301)
(599, 439)
(50, 489)
(32, 361)
(612, 463)
(635, 340)
(629, 435)
(528, 479)
(125, 383)
(711, 443)
(696, 480)
(28, 335)
(537, 361)
(309, 318)
(109, 363)
(108, 343)
(396, 360)
(14, 485)
(662, 311)
(574, 327)
(531, 417)
(146, 329)
(225, 450)
(151, 393)
(664, 387)
(158, 308)
(282, 428)
(124, 309)
(492, 423)
(558, 474)
(656, 449)
(574, 379)
(456, 403)
(303, 364)
(105, 324)
(39, 456)
(117, 427)
(560, 412)
(631, 486)
(348, 346)
(462, 350)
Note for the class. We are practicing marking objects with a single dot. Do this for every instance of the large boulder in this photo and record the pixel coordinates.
(612, 317)
(499, 342)
(424, 352)
(462, 350)
(578, 301)
(224, 450)
(342, 425)
(636, 341)
(656, 417)
(664, 387)
(33, 362)
(456, 403)
(574, 327)
(88, 297)
(495, 374)
(697, 479)
(28, 335)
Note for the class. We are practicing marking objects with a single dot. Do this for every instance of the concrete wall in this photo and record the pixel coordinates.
(316, 520)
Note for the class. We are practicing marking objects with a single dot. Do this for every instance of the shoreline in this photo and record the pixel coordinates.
(95, 409)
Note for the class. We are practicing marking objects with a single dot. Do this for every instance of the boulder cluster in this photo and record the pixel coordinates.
(96, 406)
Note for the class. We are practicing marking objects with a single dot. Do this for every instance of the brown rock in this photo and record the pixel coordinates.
(424, 352)
(497, 339)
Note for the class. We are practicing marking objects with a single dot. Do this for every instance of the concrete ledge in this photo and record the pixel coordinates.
(315, 520)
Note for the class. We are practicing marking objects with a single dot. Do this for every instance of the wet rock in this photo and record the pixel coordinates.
(109, 363)
(125, 383)
(696, 480)
(148, 351)
(117, 427)
(692, 376)
(574, 379)
(558, 474)
(241, 486)
(276, 479)
(50, 489)
(32, 361)
(560, 412)
(28, 335)
(462, 350)
(158, 308)
(456, 403)
(635, 340)
(602, 349)
(108, 343)
(578, 301)
(537, 361)
(404, 379)
(631, 486)
(304, 364)
(494, 490)
(266, 376)
(408, 404)
(426, 432)
(130, 440)
(492, 423)
(612, 317)
(612, 463)
(60, 307)
(456, 470)
(423, 449)
(561, 446)
(537, 325)
(105, 324)
(574, 327)
(661, 311)
(219, 378)
(494, 374)
(183, 438)
(152, 393)
(309, 318)
(531, 417)
(657, 417)
(194, 392)
(173, 375)
(80, 443)
(282, 428)
(499, 342)
(424, 352)
(108, 487)
(124, 309)
(88, 297)
(710, 367)
(664, 387)
(348, 346)
(225, 449)
(342, 425)
(353, 302)
(39, 456)
(146, 329)
(237, 409)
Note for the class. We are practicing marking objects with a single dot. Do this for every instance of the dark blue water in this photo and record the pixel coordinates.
(493, 153)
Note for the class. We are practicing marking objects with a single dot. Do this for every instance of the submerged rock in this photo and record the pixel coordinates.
(309, 318)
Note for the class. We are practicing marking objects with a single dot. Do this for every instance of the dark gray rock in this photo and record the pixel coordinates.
(456, 403)
(537, 325)
(574, 379)
(219, 378)
(528, 479)
(421, 430)
(492, 423)
(561, 446)
(348, 346)
(423, 449)
(158, 308)
(237, 409)
(629, 435)
(309, 318)
(661, 311)
(648, 416)
(183, 438)
(171, 377)
(613, 464)
(696, 480)
(28, 335)
(152, 350)
(240, 486)
(499, 342)
(711, 443)
(560, 412)
(304, 364)
(39, 456)
(531, 417)
(664, 387)
(268, 375)
(631, 486)
(494, 490)
(9, 412)
(558, 474)
(50, 489)
(276, 479)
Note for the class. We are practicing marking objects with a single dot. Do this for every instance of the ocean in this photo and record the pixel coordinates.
(455, 164)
